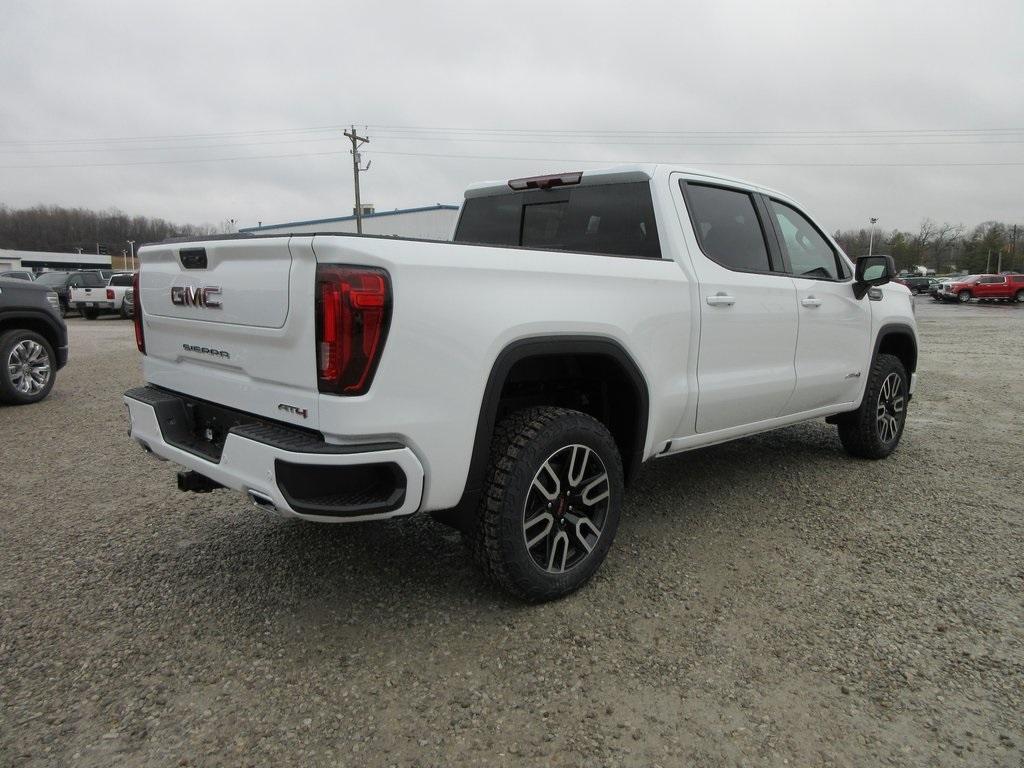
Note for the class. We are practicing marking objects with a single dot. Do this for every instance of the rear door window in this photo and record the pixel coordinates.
(610, 219)
(727, 226)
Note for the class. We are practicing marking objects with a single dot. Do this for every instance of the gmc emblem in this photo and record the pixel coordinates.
(188, 296)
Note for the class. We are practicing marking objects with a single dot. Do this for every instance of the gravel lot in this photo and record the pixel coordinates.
(767, 602)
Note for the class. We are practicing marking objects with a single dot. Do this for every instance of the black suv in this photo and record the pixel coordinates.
(917, 284)
(33, 341)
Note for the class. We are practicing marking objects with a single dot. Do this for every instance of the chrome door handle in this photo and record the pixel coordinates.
(810, 301)
(721, 300)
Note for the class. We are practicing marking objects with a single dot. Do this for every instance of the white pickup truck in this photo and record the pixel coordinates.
(94, 300)
(511, 382)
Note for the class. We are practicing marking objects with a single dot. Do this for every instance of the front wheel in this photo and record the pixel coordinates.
(551, 504)
(964, 296)
(874, 430)
(28, 367)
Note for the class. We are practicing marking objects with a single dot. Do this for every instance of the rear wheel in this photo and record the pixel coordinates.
(874, 430)
(551, 505)
(27, 371)
(1019, 298)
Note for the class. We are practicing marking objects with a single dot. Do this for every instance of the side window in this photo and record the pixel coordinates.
(728, 228)
(810, 254)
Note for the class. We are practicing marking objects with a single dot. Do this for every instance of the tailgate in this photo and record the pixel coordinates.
(231, 321)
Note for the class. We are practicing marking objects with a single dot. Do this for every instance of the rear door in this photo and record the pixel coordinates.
(992, 287)
(834, 326)
(748, 325)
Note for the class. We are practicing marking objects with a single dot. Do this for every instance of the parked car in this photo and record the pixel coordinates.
(92, 301)
(33, 341)
(511, 381)
(986, 288)
(128, 305)
(938, 286)
(62, 282)
(19, 274)
(915, 283)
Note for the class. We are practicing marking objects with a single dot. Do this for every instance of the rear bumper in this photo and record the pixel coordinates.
(107, 305)
(298, 475)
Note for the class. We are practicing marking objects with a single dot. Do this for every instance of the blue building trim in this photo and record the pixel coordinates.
(376, 215)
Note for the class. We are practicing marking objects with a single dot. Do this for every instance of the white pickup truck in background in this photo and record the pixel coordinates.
(512, 381)
(92, 301)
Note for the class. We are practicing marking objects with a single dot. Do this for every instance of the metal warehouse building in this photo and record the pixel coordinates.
(38, 260)
(434, 222)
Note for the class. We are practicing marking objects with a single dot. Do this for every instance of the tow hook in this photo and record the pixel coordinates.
(189, 480)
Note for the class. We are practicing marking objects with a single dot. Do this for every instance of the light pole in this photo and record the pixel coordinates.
(131, 243)
(871, 238)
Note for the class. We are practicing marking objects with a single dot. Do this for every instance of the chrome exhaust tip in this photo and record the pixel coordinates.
(262, 501)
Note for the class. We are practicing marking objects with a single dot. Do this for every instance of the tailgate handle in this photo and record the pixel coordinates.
(193, 258)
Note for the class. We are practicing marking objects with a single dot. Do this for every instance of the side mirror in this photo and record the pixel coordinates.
(871, 271)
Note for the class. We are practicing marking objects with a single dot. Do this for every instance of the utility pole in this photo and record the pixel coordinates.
(357, 140)
(871, 239)
(1013, 249)
(131, 243)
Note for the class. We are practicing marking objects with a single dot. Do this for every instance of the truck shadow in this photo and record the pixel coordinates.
(260, 566)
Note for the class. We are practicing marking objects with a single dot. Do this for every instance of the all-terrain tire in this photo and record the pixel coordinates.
(526, 445)
(874, 430)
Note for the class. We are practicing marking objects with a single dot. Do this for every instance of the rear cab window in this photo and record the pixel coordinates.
(607, 219)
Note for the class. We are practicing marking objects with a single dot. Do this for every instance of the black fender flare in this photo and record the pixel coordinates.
(896, 329)
(461, 515)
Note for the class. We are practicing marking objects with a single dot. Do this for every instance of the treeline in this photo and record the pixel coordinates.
(52, 228)
(943, 247)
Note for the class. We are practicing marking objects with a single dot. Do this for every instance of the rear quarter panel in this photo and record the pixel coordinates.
(456, 307)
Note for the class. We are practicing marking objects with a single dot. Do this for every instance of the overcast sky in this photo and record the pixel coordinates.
(784, 93)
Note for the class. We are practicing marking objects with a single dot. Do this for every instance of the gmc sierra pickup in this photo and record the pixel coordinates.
(512, 381)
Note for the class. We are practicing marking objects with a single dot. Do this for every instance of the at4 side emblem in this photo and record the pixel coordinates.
(293, 410)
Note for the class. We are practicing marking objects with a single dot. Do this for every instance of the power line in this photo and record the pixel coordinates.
(566, 160)
(560, 132)
(701, 162)
(175, 137)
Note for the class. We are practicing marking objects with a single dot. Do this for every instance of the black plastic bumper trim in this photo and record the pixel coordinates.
(182, 420)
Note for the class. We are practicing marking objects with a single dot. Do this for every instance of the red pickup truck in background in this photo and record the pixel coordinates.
(993, 287)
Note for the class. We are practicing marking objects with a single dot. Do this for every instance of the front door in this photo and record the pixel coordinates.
(748, 317)
(832, 349)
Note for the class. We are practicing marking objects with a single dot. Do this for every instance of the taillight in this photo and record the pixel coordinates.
(140, 337)
(353, 311)
(110, 294)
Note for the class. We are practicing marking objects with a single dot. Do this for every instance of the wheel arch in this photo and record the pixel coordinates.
(36, 322)
(900, 340)
(531, 357)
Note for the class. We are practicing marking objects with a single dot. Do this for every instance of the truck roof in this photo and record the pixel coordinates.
(620, 174)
